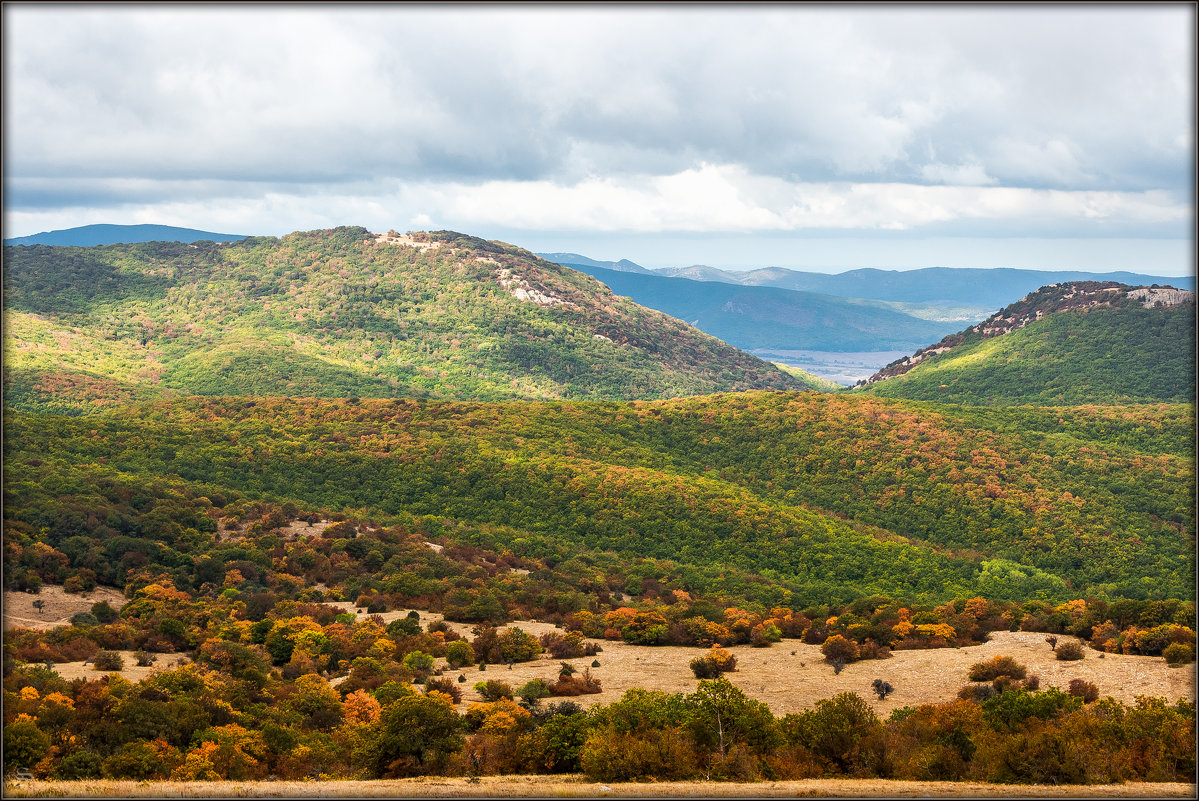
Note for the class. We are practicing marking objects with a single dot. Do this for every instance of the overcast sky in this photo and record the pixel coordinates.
(824, 137)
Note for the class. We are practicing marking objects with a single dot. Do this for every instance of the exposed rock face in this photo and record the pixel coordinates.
(1073, 296)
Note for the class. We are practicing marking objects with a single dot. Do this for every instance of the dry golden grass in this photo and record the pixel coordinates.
(579, 787)
(19, 609)
(791, 676)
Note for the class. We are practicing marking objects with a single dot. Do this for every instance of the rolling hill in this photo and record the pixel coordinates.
(1079, 342)
(341, 313)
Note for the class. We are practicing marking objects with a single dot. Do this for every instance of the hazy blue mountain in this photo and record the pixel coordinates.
(993, 288)
(755, 317)
(90, 235)
(574, 259)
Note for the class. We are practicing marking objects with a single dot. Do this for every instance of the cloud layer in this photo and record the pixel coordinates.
(605, 118)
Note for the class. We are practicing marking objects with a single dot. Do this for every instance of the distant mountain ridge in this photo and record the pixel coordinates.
(759, 317)
(989, 287)
(105, 234)
(1075, 342)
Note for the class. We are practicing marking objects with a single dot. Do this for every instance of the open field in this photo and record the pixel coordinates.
(19, 609)
(579, 787)
(789, 676)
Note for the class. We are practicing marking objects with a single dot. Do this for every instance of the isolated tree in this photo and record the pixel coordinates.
(39, 604)
(882, 688)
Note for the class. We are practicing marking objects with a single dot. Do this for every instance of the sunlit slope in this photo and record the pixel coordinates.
(841, 494)
(1115, 351)
(342, 313)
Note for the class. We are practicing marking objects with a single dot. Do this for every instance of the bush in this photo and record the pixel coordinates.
(724, 660)
(459, 653)
(79, 765)
(84, 619)
(532, 691)
(994, 668)
(582, 685)
(1178, 654)
(104, 612)
(1070, 651)
(977, 692)
(108, 661)
(837, 647)
(704, 667)
(418, 661)
(446, 686)
(494, 690)
(563, 646)
(1085, 690)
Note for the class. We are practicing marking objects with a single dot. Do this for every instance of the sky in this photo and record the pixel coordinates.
(824, 137)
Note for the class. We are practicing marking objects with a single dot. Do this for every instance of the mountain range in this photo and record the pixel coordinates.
(992, 287)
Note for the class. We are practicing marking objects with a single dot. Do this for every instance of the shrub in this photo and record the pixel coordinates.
(104, 612)
(977, 692)
(704, 667)
(582, 685)
(459, 653)
(518, 646)
(84, 619)
(446, 686)
(725, 661)
(1070, 651)
(837, 647)
(994, 668)
(1178, 654)
(532, 691)
(418, 661)
(1085, 690)
(493, 690)
(79, 765)
(108, 661)
(563, 646)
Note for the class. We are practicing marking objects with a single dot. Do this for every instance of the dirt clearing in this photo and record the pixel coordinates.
(19, 610)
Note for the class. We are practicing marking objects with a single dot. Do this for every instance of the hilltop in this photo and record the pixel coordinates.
(342, 313)
(1078, 342)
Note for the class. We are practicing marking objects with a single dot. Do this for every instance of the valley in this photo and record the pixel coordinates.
(288, 501)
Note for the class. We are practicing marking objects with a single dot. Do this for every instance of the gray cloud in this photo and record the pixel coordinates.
(120, 105)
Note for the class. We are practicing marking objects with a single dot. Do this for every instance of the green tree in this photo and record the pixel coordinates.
(24, 744)
(415, 735)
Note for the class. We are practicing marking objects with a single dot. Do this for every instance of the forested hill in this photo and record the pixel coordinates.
(341, 313)
(1080, 342)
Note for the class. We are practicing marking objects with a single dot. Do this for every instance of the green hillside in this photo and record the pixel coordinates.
(836, 496)
(340, 313)
(1054, 349)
